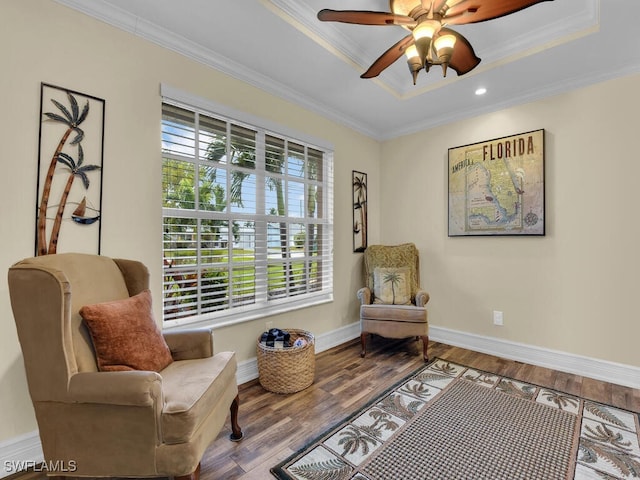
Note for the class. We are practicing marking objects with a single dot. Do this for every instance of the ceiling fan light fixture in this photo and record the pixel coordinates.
(444, 44)
(426, 29)
(414, 62)
(422, 35)
(429, 22)
(411, 52)
(444, 49)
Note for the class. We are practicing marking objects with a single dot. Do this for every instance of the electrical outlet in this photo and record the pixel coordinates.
(498, 318)
(268, 325)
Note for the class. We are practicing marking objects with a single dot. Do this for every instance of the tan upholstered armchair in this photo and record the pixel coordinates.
(125, 422)
(392, 304)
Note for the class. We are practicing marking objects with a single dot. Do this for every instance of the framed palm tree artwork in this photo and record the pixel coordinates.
(70, 158)
(359, 186)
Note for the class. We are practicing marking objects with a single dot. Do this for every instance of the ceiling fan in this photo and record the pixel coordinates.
(430, 41)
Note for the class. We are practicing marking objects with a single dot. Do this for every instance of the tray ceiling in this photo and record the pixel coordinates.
(281, 47)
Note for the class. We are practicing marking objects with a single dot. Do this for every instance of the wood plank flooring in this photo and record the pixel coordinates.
(275, 426)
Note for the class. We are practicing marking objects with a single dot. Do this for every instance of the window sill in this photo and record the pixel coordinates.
(240, 316)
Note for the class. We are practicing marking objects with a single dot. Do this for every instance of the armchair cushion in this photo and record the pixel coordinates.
(391, 285)
(125, 336)
(393, 314)
(192, 388)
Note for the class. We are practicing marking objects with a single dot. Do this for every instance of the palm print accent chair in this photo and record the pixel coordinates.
(392, 304)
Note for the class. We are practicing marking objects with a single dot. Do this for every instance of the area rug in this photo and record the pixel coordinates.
(450, 422)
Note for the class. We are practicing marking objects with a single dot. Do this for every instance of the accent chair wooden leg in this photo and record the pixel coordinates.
(363, 342)
(195, 475)
(425, 344)
(236, 432)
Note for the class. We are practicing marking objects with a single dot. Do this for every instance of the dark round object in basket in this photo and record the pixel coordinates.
(287, 370)
(276, 338)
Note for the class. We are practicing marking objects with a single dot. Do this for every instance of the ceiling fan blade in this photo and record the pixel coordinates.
(463, 59)
(388, 57)
(362, 17)
(474, 11)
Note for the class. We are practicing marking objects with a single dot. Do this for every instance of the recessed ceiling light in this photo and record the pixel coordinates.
(481, 91)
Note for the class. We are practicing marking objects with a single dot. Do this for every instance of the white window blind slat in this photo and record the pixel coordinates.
(247, 219)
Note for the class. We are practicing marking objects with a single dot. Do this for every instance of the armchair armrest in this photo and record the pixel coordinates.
(364, 294)
(190, 344)
(134, 388)
(422, 298)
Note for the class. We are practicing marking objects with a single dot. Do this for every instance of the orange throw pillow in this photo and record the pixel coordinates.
(125, 335)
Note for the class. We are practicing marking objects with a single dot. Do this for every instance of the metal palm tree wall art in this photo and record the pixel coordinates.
(70, 148)
(359, 186)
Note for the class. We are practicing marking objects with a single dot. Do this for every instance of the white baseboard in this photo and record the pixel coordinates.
(20, 453)
(27, 449)
(604, 370)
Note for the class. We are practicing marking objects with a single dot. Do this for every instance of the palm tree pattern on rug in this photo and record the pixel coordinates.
(598, 441)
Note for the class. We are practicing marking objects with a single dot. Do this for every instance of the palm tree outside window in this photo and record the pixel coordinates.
(247, 217)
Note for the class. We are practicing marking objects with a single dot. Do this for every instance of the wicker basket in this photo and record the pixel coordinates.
(287, 370)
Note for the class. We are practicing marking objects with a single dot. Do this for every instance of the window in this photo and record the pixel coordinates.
(247, 219)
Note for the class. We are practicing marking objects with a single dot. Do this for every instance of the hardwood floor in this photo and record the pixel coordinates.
(275, 426)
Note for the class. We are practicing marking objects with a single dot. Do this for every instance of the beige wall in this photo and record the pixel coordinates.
(574, 290)
(42, 41)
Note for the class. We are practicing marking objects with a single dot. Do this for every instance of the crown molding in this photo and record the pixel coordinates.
(557, 88)
(553, 33)
(332, 39)
(302, 17)
(123, 20)
(561, 30)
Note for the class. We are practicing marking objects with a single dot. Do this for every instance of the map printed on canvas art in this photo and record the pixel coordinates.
(497, 187)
